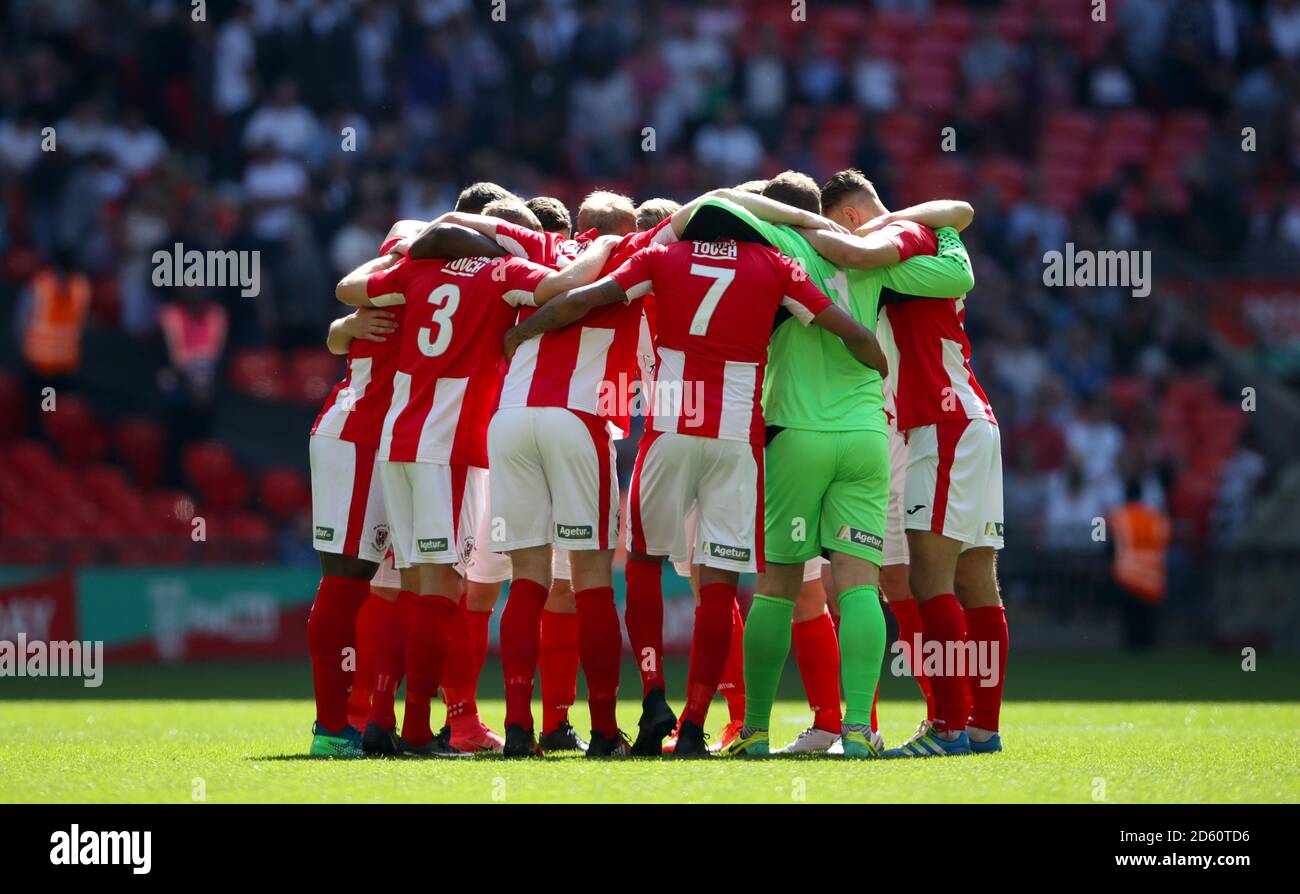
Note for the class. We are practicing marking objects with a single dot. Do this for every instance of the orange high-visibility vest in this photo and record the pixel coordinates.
(1141, 542)
(52, 345)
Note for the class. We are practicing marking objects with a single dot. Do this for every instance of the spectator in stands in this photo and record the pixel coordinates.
(1239, 483)
(729, 149)
(194, 330)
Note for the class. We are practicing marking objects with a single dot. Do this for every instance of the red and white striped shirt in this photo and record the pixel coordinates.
(450, 365)
(588, 366)
(354, 410)
(716, 306)
(548, 249)
(929, 362)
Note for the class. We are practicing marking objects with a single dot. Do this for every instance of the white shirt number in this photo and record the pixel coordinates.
(445, 299)
(722, 277)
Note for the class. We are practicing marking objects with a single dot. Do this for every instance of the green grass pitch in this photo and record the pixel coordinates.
(1086, 728)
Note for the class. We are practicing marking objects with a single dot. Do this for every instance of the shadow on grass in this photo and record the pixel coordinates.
(1082, 676)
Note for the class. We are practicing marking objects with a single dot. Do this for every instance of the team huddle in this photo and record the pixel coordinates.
(810, 415)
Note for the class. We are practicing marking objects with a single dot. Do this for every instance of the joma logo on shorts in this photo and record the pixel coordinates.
(572, 532)
(722, 551)
(431, 544)
(861, 538)
(324, 533)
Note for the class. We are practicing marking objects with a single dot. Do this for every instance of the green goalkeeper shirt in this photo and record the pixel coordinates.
(812, 381)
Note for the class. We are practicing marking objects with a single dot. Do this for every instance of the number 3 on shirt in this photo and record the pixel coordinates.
(445, 299)
(722, 277)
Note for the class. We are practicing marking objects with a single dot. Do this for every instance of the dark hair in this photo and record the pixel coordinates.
(795, 189)
(477, 196)
(551, 212)
(844, 184)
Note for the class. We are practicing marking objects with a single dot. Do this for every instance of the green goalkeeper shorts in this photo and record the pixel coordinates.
(824, 492)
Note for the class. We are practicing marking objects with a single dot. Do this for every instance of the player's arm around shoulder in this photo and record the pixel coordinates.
(376, 283)
(365, 323)
(860, 340)
(582, 271)
(852, 251)
(631, 280)
(450, 239)
(945, 274)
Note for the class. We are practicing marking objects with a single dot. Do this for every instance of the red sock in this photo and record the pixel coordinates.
(732, 685)
(521, 633)
(459, 680)
(390, 662)
(430, 623)
(363, 681)
(711, 644)
(817, 651)
(875, 699)
(987, 628)
(944, 622)
(908, 617)
(332, 628)
(600, 646)
(644, 616)
(559, 667)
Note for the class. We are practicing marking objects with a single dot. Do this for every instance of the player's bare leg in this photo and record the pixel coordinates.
(644, 617)
(976, 587)
(521, 640)
(559, 668)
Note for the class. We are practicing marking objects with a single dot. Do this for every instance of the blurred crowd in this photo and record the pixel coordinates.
(303, 128)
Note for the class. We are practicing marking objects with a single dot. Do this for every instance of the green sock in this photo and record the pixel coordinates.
(862, 648)
(767, 645)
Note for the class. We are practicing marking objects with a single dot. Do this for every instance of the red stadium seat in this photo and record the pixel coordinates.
(13, 414)
(259, 372)
(31, 458)
(314, 372)
(142, 444)
(283, 493)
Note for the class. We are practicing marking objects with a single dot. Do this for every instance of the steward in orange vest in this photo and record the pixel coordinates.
(52, 342)
(1141, 537)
